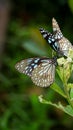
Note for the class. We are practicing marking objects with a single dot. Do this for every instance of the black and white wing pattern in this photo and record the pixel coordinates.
(41, 70)
(56, 39)
(64, 43)
(50, 38)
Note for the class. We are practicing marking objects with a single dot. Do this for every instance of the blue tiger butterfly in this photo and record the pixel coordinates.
(41, 70)
(56, 39)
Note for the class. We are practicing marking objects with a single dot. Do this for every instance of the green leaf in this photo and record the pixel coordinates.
(70, 85)
(56, 88)
(70, 2)
(64, 69)
(34, 48)
(71, 93)
(67, 109)
(70, 88)
(4, 119)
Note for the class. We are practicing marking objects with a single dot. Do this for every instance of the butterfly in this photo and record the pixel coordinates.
(56, 39)
(40, 70)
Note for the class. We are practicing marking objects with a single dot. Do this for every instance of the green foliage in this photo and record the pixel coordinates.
(64, 71)
(20, 108)
(67, 109)
(71, 4)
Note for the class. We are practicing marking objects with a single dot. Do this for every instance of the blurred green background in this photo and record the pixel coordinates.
(20, 39)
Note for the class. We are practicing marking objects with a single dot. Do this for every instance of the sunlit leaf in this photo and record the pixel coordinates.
(57, 88)
(67, 109)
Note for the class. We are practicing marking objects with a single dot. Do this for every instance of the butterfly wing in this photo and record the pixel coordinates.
(43, 75)
(65, 46)
(56, 30)
(50, 38)
(26, 66)
(56, 40)
(64, 43)
(41, 70)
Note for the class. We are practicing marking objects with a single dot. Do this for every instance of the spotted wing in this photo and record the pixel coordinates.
(41, 70)
(56, 30)
(26, 66)
(50, 38)
(64, 43)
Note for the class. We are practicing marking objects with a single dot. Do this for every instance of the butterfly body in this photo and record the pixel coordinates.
(41, 70)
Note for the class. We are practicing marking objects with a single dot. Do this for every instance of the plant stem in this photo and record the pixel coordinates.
(67, 94)
(66, 90)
